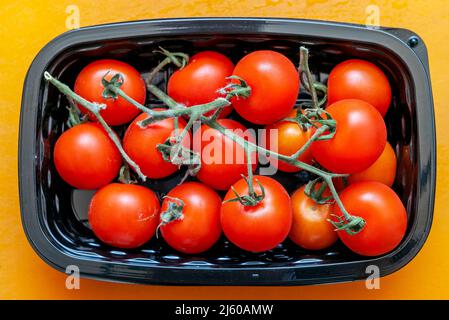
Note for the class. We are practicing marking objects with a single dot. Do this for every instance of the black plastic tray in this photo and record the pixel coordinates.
(48, 205)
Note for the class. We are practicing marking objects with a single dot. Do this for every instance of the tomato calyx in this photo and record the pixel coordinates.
(252, 198)
(317, 118)
(75, 115)
(109, 91)
(174, 212)
(125, 175)
(351, 225)
(320, 118)
(236, 89)
(176, 153)
(315, 190)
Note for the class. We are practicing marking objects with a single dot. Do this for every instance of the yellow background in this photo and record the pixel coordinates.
(26, 26)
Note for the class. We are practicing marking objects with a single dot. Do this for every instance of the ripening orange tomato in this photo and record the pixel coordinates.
(287, 137)
(383, 170)
(310, 227)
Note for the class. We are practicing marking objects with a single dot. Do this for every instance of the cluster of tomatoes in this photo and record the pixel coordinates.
(192, 215)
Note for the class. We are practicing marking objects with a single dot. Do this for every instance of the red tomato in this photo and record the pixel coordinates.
(274, 83)
(86, 158)
(359, 79)
(383, 170)
(222, 160)
(124, 215)
(311, 228)
(141, 145)
(198, 227)
(286, 138)
(199, 81)
(383, 212)
(263, 226)
(118, 111)
(359, 140)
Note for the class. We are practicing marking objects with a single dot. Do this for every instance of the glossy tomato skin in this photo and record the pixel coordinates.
(383, 212)
(86, 158)
(382, 170)
(359, 140)
(118, 111)
(359, 79)
(287, 137)
(124, 215)
(199, 81)
(261, 227)
(141, 145)
(310, 227)
(200, 227)
(274, 83)
(222, 160)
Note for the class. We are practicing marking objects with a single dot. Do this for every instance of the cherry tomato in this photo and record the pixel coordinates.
(118, 111)
(199, 81)
(286, 137)
(222, 160)
(359, 79)
(141, 145)
(197, 225)
(263, 226)
(86, 158)
(383, 212)
(274, 83)
(383, 170)
(359, 140)
(311, 228)
(124, 215)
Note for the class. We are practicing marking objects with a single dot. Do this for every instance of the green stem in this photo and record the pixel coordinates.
(351, 224)
(193, 111)
(95, 109)
(122, 94)
(323, 89)
(255, 147)
(304, 68)
(250, 170)
(167, 100)
(181, 137)
(321, 189)
(179, 59)
(159, 67)
(306, 145)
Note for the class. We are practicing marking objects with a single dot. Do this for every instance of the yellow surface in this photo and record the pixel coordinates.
(26, 26)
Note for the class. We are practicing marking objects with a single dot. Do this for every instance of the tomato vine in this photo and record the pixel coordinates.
(313, 115)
